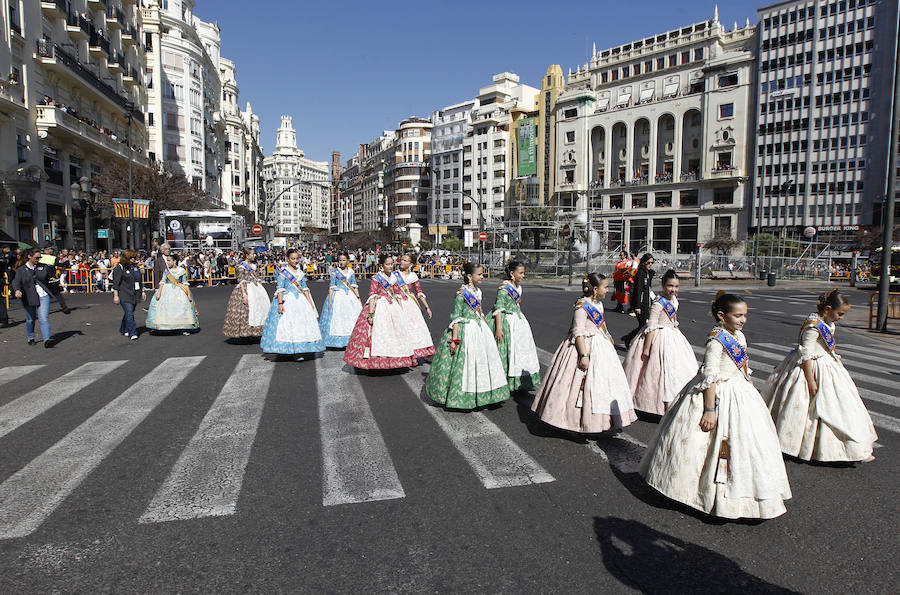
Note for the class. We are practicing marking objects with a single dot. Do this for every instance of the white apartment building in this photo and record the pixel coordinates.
(410, 181)
(370, 194)
(70, 73)
(657, 132)
(184, 110)
(346, 222)
(450, 127)
(487, 156)
(296, 188)
(242, 153)
(823, 119)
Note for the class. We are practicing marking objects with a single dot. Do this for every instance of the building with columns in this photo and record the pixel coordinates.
(296, 188)
(186, 127)
(70, 74)
(657, 132)
(243, 155)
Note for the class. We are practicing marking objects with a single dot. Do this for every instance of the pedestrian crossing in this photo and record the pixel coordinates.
(357, 467)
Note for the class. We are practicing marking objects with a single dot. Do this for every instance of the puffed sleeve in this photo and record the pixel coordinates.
(375, 290)
(333, 281)
(657, 317)
(460, 308)
(282, 284)
(712, 363)
(809, 338)
(579, 324)
(502, 302)
(417, 289)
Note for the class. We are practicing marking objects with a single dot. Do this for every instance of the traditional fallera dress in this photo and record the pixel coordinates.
(474, 376)
(735, 470)
(832, 426)
(409, 289)
(246, 320)
(341, 309)
(671, 364)
(172, 306)
(592, 401)
(517, 349)
(297, 330)
(385, 344)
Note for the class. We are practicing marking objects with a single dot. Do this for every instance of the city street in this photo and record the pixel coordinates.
(188, 464)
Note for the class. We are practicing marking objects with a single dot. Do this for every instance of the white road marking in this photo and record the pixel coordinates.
(873, 350)
(493, 456)
(849, 363)
(545, 358)
(356, 465)
(31, 495)
(772, 312)
(854, 351)
(31, 404)
(16, 372)
(207, 479)
(886, 421)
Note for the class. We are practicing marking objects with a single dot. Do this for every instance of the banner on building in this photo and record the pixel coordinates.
(141, 208)
(122, 208)
(527, 165)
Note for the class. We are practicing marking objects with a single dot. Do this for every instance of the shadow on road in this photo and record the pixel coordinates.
(654, 562)
(60, 337)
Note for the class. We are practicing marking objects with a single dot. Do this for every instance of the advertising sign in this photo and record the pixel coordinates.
(527, 146)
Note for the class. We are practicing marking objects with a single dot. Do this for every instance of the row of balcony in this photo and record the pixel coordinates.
(55, 58)
(718, 173)
(52, 120)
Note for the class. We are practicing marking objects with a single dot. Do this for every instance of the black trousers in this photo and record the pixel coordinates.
(641, 321)
(56, 294)
(4, 315)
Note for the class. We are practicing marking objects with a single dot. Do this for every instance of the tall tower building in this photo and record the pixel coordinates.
(552, 86)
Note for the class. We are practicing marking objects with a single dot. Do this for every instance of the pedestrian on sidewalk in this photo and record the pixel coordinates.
(816, 406)
(30, 285)
(641, 296)
(128, 291)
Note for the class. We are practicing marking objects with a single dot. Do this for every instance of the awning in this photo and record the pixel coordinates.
(623, 100)
(603, 104)
(646, 94)
(5, 238)
(670, 90)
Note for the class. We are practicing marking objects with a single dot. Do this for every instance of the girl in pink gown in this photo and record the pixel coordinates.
(380, 339)
(409, 295)
(660, 362)
(586, 390)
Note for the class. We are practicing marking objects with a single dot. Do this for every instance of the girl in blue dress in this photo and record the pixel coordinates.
(292, 327)
(342, 306)
(172, 307)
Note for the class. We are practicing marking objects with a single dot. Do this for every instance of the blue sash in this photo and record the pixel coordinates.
(827, 335)
(593, 313)
(471, 300)
(515, 295)
(735, 350)
(340, 276)
(290, 277)
(668, 306)
(383, 281)
(248, 267)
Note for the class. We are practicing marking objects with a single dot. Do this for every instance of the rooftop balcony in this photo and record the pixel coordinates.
(68, 67)
(53, 9)
(719, 173)
(52, 121)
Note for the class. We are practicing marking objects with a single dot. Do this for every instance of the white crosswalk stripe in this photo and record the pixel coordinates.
(872, 350)
(31, 495)
(30, 405)
(758, 353)
(207, 479)
(356, 464)
(15, 372)
(493, 456)
(854, 351)
(848, 362)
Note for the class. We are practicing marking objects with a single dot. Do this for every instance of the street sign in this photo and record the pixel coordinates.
(566, 229)
(102, 233)
(256, 229)
(404, 244)
(482, 236)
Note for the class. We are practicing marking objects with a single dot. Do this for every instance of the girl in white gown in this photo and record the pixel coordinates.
(716, 449)
(342, 306)
(816, 406)
(292, 327)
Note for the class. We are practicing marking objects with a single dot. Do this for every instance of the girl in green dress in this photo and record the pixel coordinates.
(513, 333)
(466, 371)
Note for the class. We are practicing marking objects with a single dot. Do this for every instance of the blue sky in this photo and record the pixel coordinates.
(346, 71)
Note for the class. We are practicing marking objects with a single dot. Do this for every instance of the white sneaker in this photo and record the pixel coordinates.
(124, 334)
(134, 337)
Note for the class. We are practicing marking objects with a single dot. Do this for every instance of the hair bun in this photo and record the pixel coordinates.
(720, 293)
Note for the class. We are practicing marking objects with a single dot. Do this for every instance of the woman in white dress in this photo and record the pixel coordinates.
(342, 306)
(716, 449)
(816, 406)
(512, 332)
(410, 294)
(292, 327)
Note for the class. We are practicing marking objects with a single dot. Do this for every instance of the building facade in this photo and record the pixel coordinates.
(487, 155)
(552, 86)
(823, 116)
(445, 209)
(372, 193)
(186, 127)
(409, 178)
(656, 132)
(71, 102)
(242, 152)
(297, 189)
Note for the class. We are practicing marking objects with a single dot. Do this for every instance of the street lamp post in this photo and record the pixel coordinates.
(480, 227)
(86, 194)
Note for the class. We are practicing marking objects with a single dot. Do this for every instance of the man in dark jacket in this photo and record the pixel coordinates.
(4, 279)
(30, 285)
(640, 296)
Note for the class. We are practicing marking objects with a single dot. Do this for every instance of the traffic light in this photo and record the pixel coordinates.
(46, 230)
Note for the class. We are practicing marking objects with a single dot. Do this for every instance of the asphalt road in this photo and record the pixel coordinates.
(187, 464)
